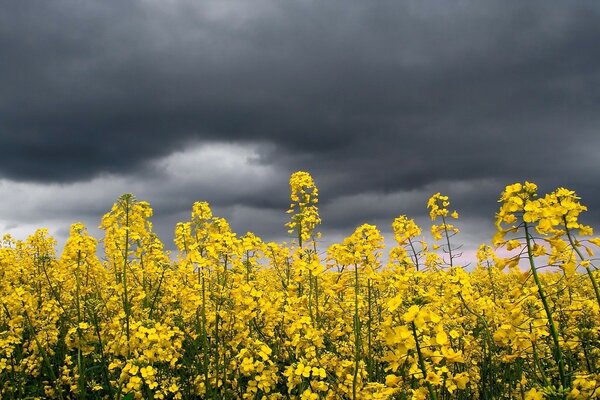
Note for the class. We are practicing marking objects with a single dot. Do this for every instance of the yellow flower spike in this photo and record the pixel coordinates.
(305, 215)
(405, 229)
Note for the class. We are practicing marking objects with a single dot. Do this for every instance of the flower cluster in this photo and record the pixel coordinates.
(230, 316)
(305, 215)
(438, 207)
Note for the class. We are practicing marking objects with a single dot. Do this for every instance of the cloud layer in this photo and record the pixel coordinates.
(384, 102)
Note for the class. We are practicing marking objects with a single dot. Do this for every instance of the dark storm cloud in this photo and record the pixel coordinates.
(374, 98)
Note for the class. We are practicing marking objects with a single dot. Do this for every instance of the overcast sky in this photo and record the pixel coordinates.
(383, 102)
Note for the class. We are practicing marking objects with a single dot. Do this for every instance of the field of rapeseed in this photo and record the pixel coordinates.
(233, 317)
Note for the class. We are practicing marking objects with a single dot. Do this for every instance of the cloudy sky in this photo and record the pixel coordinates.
(384, 102)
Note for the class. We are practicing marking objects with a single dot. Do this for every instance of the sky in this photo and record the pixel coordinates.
(384, 102)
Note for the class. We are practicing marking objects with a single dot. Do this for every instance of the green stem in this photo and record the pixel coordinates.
(94, 318)
(553, 332)
(536, 359)
(414, 253)
(204, 336)
(44, 355)
(80, 361)
(310, 295)
(370, 355)
(125, 259)
(422, 362)
(316, 287)
(162, 276)
(491, 275)
(447, 240)
(356, 333)
(589, 272)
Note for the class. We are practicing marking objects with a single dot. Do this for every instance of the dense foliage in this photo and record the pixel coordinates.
(231, 316)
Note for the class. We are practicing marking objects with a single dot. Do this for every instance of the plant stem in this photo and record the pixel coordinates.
(553, 332)
(356, 333)
(125, 259)
(447, 240)
(422, 362)
(589, 272)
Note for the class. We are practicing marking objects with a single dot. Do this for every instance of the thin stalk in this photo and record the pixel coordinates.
(316, 288)
(317, 300)
(447, 240)
(310, 295)
(587, 358)
(491, 275)
(369, 339)
(536, 359)
(414, 253)
(557, 352)
(54, 293)
(218, 319)
(80, 362)
(247, 266)
(589, 272)
(162, 276)
(356, 333)
(44, 355)
(204, 335)
(125, 259)
(94, 318)
(422, 362)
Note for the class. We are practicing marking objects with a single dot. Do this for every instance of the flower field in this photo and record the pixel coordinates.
(233, 317)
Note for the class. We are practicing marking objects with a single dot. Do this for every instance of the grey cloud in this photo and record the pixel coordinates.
(376, 99)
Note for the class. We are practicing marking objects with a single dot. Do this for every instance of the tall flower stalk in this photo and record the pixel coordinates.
(520, 206)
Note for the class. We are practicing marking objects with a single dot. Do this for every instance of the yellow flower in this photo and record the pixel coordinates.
(441, 338)
(461, 380)
(433, 378)
(534, 394)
